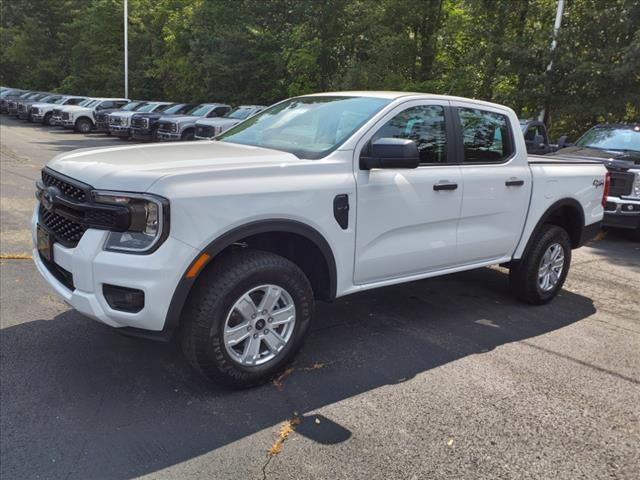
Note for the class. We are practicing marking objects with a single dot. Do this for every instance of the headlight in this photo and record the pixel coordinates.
(635, 189)
(149, 225)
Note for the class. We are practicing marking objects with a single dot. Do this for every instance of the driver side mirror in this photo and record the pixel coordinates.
(390, 153)
(539, 141)
(563, 142)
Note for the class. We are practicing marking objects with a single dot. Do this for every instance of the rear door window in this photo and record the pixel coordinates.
(486, 136)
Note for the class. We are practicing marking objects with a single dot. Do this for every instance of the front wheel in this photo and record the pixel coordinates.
(188, 136)
(47, 119)
(84, 125)
(247, 318)
(538, 277)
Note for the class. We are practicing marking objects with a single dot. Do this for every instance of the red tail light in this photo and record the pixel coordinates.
(605, 191)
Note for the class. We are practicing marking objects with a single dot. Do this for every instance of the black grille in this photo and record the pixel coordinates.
(65, 115)
(66, 231)
(167, 126)
(115, 120)
(139, 122)
(621, 183)
(101, 117)
(63, 276)
(66, 188)
(205, 131)
(57, 112)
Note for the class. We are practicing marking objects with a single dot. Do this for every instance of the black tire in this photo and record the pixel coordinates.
(47, 119)
(523, 275)
(216, 291)
(154, 135)
(84, 125)
(187, 136)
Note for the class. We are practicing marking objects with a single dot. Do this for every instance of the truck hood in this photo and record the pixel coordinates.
(180, 118)
(122, 114)
(43, 105)
(221, 122)
(74, 108)
(136, 168)
(604, 156)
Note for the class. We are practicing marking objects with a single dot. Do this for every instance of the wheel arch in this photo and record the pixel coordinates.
(270, 235)
(566, 213)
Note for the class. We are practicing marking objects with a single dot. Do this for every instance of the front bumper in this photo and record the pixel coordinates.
(141, 133)
(157, 275)
(119, 131)
(622, 213)
(68, 123)
(168, 137)
(198, 137)
(37, 117)
(56, 121)
(101, 127)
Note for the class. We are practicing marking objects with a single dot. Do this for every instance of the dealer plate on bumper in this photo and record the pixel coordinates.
(45, 244)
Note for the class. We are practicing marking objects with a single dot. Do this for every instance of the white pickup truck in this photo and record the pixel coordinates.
(230, 242)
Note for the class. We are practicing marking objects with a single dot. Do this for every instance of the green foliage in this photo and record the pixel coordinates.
(260, 51)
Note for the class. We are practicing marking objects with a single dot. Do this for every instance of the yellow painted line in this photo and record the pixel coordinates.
(15, 256)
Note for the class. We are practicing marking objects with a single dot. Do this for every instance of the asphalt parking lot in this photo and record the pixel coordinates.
(443, 378)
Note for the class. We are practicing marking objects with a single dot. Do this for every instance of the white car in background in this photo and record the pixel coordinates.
(43, 112)
(81, 117)
(173, 127)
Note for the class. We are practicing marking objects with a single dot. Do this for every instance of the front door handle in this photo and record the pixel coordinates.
(514, 182)
(445, 186)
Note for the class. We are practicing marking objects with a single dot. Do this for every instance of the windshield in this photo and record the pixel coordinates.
(175, 109)
(151, 107)
(612, 138)
(199, 110)
(308, 127)
(133, 106)
(147, 108)
(239, 113)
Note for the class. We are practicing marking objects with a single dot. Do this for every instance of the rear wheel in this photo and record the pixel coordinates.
(84, 125)
(539, 276)
(247, 318)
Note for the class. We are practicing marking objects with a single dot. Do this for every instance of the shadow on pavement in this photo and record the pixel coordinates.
(619, 247)
(81, 401)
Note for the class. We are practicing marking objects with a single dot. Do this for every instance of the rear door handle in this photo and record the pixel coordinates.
(514, 183)
(445, 186)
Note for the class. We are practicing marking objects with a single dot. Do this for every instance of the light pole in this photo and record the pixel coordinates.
(554, 42)
(126, 52)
